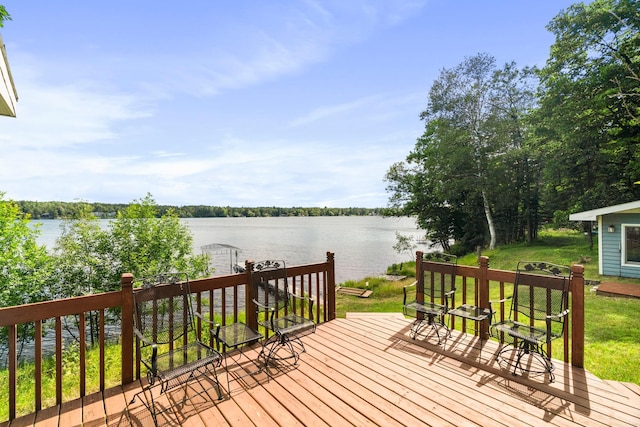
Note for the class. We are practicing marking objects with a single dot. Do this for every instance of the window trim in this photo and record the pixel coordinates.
(623, 247)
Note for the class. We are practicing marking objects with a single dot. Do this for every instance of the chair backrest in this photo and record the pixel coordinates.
(438, 275)
(162, 308)
(269, 284)
(541, 289)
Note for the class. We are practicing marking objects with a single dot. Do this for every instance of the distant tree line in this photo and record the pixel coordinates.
(506, 150)
(65, 210)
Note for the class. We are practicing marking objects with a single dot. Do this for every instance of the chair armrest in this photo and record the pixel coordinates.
(216, 335)
(300, 297)
(214, 327)
(142, 338)
(500, 300)
(492, 312)
(551, 317)
(266, 309)
(262, 307)
(558, 316)
(404, 290)
(154, 350)
(411, 285)
(204, 319)
(447, 295)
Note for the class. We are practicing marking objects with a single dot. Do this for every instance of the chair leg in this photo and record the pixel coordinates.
(415, 328)
(268, 349)
(271, 346)
(147, 401)
(430, 321)
(217, 380)
(291, 343)
(535, 351)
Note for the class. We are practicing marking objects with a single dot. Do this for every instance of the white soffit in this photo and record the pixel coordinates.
(631, 207)
(8, 94)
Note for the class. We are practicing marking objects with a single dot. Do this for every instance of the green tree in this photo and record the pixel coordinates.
(83, 263)
(404, 244)
(587, 124)
(460, 175)
(24, 266)
(4, 16)
(90, 258)
(145, 244)
(83, 255)
(515, 165)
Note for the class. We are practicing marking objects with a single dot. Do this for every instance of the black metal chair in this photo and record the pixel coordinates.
(168, 343)
(277, 308)
(434, 287)
(537, 316)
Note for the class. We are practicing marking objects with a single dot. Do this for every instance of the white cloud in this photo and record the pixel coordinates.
(281, 42)
(57, 116)
(322, 113)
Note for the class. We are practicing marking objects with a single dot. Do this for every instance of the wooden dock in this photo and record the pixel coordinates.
(356, 292)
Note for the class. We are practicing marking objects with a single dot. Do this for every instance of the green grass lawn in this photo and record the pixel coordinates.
(612, 325)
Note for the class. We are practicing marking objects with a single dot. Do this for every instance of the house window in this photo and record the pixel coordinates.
(631, 242)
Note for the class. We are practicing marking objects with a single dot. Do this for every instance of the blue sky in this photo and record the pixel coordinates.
(238, 103)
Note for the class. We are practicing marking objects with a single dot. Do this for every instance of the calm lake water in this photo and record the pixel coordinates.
(363, 245)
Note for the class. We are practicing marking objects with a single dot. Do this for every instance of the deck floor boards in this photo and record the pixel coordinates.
(367, 371)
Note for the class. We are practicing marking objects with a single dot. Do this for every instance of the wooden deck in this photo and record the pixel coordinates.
(365, 370)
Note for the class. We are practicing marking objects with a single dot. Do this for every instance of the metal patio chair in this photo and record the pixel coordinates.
(432, 298)
(169, 345)
(277, 308)
(537, 316)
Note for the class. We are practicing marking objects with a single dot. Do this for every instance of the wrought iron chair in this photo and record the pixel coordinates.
(276, 308)
(537, 316)
(434, 288)
(168, 343)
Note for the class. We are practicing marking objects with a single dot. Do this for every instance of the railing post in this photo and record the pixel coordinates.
(331, 285)
(577, 316)
(13, 366)
(127, 327)
(250, 307)
(420, 281)
(483, 294)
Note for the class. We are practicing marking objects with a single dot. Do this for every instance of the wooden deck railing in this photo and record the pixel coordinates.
(476, 284)
(218, 297)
